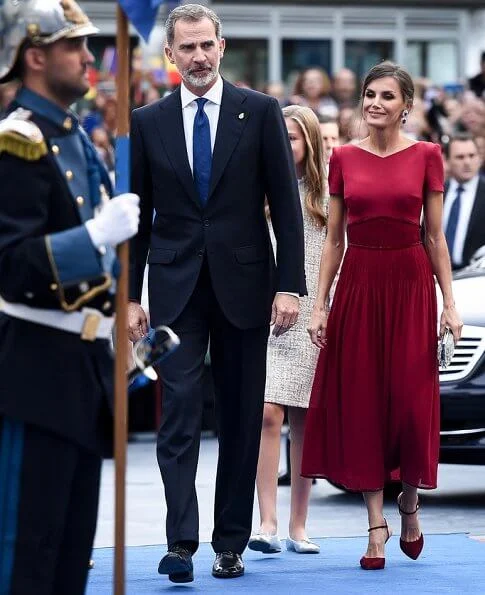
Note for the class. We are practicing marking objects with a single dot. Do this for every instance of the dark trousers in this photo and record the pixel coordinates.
(238, 360)
(48, 507)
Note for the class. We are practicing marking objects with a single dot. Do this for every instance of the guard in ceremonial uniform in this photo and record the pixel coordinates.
(58, 228)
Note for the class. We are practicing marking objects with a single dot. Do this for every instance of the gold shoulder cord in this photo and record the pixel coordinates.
(21, 137)
(22, 147)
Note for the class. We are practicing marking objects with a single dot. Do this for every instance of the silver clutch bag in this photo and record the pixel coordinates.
(446, 348)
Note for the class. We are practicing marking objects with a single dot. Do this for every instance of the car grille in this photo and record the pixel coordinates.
(468, 352)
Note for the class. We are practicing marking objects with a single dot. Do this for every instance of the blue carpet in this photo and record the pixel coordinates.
(448, 564)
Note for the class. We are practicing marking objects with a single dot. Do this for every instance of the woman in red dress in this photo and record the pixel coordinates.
(374, 409)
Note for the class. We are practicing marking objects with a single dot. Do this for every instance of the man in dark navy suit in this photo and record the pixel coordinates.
(203, 161)
(464, 205)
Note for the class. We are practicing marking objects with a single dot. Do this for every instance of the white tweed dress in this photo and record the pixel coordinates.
(292, 358)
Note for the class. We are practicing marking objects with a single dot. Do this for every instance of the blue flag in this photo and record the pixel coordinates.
(142, 14)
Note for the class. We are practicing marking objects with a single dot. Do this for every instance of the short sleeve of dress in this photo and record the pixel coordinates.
(434, 169)
(335, 179)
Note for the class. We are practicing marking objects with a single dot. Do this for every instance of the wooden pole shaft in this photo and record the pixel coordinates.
(120, 381)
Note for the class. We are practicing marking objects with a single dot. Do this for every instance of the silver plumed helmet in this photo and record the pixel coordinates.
(39, 22)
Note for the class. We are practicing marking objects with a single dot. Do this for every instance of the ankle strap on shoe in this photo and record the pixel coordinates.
(402, 511)
(379, 527)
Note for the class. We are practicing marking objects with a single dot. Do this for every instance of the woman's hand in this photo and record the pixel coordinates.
(451, 319)
(318, 327)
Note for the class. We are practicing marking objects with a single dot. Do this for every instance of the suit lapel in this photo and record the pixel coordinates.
(445, 190)
(477, 217)
(171, 129)
(232, 121)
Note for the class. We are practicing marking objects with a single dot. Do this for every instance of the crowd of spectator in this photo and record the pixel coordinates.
(438, 113)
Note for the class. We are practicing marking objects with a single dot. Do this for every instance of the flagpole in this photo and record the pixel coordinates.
(120, 380)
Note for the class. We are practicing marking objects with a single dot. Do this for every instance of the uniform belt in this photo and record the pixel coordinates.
(89, 323)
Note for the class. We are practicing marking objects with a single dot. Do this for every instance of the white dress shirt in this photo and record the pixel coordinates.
(466, 207)
(189, 109)
(212, 108)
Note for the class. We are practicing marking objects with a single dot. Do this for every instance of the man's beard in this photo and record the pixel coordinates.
(200, 81)
(67, 92)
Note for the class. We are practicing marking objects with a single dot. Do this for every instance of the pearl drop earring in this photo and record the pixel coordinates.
(404, 117)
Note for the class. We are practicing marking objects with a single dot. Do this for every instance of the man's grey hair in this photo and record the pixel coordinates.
(191, 13)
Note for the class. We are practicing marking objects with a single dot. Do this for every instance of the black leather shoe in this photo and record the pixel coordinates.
(228, 565)
(177, 563)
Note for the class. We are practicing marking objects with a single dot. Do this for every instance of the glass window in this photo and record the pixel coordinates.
(361, 55)
(436, 60)
(299, 54)
(415, 58)
(246, 60)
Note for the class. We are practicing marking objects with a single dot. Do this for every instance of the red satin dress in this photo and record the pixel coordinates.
(374, 408)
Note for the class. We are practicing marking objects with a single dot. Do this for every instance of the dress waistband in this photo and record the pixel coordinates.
(384, 233)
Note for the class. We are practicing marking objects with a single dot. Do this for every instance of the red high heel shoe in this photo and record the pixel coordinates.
(375, 563)
(412, 549)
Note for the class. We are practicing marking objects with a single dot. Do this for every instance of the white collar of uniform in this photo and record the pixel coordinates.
(214, 94)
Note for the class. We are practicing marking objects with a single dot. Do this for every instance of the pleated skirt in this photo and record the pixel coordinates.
(374, 407)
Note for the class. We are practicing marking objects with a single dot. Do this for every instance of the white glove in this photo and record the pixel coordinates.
(118, 221)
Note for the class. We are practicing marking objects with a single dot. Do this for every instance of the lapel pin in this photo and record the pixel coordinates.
(241, 115)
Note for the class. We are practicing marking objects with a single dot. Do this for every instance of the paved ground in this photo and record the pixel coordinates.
(458, 505)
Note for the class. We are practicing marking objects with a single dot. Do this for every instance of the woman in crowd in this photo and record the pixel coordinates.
(313, 89)
(291, 357)
(374, 409)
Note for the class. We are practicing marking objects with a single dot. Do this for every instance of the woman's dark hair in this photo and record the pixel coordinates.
(395, 71)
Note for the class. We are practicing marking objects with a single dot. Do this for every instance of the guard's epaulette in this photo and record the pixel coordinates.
(21, 137)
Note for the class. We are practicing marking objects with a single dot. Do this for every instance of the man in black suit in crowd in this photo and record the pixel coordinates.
(464, 207)
(203, 160)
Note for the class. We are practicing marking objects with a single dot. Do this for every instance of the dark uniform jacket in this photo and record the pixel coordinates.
(49, 377)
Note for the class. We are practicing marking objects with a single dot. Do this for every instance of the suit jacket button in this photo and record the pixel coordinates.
(200, 253)
(206, 223)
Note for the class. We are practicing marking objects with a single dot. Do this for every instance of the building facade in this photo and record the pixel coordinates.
(269, 41)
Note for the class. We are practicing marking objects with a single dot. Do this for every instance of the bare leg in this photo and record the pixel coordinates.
(300, 486)
(377, 538)
(410, 529)
(268, 462)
